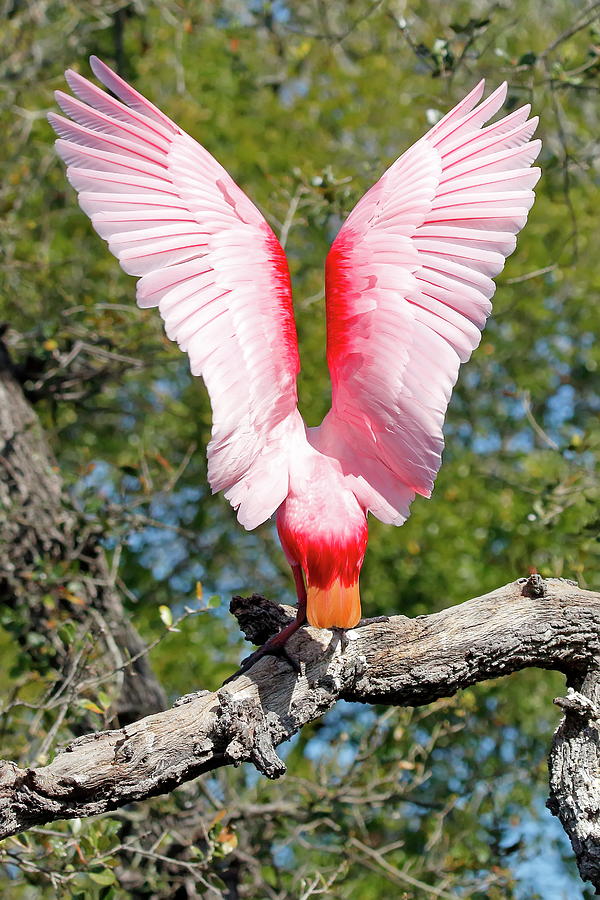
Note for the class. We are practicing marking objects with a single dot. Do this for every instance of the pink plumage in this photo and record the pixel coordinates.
(408, 290)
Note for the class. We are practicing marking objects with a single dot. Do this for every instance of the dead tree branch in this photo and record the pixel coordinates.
(551, 624)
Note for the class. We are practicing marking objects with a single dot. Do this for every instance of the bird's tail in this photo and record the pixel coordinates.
(337, 606)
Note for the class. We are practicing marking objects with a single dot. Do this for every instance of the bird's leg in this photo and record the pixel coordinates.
(275, 646)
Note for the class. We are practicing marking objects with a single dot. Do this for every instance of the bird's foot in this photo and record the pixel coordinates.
(372, 620)
(275, 646)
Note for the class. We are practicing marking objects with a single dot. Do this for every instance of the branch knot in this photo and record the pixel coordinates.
(249, 734)
(534, 587)
(577, 704)
(260, 618)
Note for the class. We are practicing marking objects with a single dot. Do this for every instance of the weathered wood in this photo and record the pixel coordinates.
(574, 769)
(550, 624)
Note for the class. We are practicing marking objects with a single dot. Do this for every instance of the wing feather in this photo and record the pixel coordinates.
(208, 260)
(408, 286)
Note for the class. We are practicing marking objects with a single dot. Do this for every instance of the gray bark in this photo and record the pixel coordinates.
(40, 531)
(551, 624)
(574, 769)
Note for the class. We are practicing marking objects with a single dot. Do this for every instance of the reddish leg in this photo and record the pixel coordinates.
(275, 646)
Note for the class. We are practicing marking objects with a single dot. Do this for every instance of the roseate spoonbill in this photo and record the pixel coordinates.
(408, 288)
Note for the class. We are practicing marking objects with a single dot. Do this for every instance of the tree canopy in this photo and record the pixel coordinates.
(305, 104)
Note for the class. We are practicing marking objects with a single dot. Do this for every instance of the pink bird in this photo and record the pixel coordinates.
(408, 289)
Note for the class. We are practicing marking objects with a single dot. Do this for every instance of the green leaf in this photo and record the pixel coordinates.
(92, 707)
(166, 615)
(67, 632)
(104, 700)
(528, 59)
(105, 877)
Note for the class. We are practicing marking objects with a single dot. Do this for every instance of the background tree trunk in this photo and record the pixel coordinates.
(52, 562)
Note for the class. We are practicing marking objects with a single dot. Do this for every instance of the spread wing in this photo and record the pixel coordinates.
(208, 260)
(408, 286)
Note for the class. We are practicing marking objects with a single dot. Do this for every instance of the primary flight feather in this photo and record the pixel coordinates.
(408, 290)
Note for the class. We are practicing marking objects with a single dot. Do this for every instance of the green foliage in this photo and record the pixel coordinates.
(306, 104)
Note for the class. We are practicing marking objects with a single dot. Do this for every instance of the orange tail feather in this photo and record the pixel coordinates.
(336, 606)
